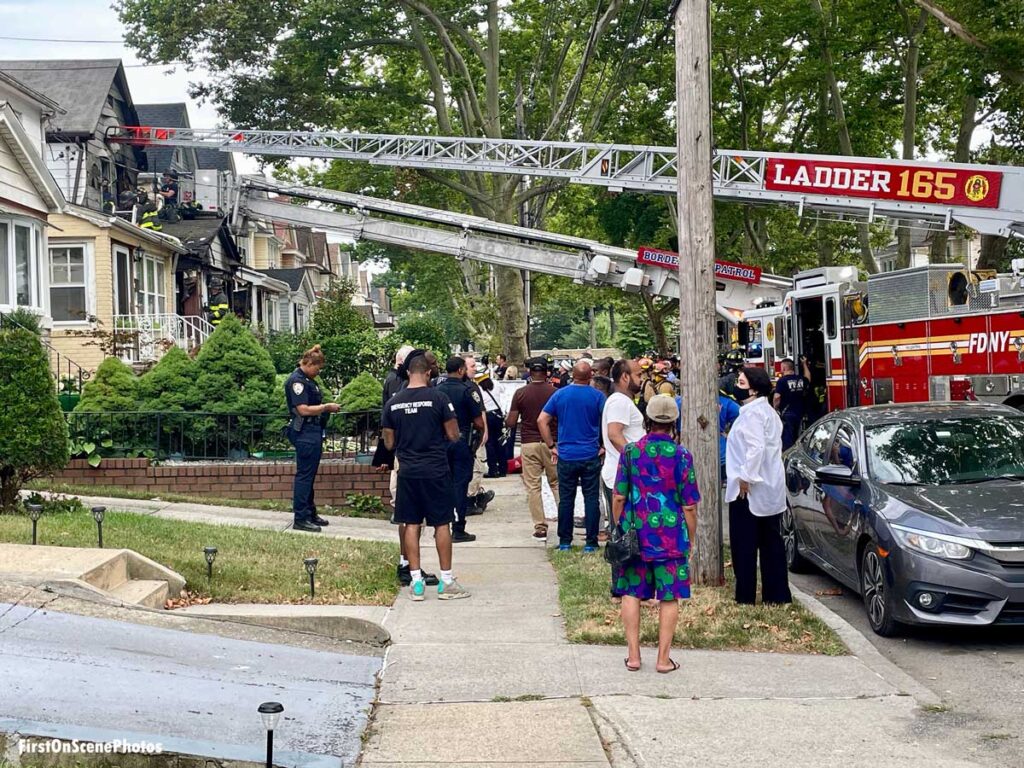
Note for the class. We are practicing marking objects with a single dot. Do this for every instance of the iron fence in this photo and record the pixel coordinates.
(194, 436)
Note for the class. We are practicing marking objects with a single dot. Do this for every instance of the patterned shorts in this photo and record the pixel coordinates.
(654, 580)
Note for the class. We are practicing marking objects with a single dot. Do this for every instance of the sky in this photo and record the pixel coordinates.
(80, 20)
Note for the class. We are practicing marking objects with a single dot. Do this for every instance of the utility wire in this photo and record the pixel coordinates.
(58, 40)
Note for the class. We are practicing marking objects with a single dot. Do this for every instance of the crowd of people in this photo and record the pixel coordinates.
(608, 430)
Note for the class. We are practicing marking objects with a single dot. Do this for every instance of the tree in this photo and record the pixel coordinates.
(529, 70)
(363, 393)
(33, 432)
(424, 332)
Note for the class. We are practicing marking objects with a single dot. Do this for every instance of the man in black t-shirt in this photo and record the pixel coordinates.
(418, 424)
(790, 400)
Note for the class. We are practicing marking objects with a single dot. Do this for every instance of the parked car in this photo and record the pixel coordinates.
(919, 508)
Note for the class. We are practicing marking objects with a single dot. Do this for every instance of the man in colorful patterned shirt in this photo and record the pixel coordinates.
(656, 495)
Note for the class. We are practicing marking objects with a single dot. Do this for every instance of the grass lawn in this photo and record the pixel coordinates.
(710, 619)
(277, 505)
(252, 566)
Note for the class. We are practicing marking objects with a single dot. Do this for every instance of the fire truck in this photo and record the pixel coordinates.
(937, 332)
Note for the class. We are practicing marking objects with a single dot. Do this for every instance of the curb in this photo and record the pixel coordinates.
(866, 652)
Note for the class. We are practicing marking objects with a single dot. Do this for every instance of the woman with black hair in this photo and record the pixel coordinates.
(756, 492)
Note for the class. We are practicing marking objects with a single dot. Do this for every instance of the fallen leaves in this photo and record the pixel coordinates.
(186, 599)
(833, 592)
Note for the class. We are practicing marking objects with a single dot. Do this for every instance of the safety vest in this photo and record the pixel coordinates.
(150, 221)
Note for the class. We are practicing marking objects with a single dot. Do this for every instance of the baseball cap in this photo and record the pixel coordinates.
(663, 409)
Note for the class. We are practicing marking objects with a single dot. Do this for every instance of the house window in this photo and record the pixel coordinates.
(68, 286)
(20, 273)
(300, 319)
(150, 286)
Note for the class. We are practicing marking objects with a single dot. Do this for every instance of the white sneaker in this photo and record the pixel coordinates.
(451, 591)
(417, 591)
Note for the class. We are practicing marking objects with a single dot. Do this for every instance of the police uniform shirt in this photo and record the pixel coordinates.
(465, 399)
(299, 389)
(792, 389)
(418, 415)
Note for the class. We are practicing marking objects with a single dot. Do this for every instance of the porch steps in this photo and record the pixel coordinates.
(116, 575)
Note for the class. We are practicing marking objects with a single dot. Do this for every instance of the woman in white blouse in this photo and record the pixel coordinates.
(756, 492)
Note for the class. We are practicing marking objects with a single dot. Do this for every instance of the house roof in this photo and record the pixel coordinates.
(199, 233)
(214, 159)
(293, 277)
(40, 99)
(12, 131)
(80, 86)
(162, 116)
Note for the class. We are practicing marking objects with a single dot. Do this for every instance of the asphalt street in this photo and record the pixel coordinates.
(59, 668)
(978, 673)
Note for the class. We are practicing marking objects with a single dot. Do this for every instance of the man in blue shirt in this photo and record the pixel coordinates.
(576, 410)
(728, 411)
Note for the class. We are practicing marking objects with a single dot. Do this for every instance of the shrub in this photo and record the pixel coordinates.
(21, 318)
(334, 314)
(33, 433)
(234, 374)
(285, 349)
(114, 388)
(363, 393)
(167, 386)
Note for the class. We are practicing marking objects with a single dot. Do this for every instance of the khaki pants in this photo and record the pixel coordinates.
(536, 459)
(479, 467)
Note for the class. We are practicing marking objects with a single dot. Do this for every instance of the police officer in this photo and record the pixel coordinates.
(309, 416)
(218, 308)
(790, 399)
(469, 410)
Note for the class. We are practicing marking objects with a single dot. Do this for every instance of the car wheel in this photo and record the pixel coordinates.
(796, 562)
(875, 591)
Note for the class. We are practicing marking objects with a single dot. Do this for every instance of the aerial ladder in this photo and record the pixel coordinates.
(986, 198)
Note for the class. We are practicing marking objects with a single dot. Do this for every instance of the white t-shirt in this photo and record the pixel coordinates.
(618, 409)
(753, 452)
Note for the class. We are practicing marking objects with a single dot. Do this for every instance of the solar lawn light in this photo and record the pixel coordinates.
(35, 511)
(211, 554)
(311, 563)
(97, 515)
(270, 713)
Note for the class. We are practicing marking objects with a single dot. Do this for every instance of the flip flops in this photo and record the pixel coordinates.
(675, 666)
(629, 668)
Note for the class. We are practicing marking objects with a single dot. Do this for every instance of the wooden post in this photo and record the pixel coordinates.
(697, 343)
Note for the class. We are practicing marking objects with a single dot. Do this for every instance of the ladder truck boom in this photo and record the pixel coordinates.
(987, 198)
(479, 239)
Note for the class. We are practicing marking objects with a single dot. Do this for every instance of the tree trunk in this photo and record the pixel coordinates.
(993, 252)
(593, 328)
(910, 67)
(612, 325)
(961, 154)
(697, 278)
(842, 129)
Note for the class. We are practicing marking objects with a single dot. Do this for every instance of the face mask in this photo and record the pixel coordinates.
(742, 395)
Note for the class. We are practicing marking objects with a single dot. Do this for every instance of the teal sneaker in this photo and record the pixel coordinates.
(417, 591)
(452, 591)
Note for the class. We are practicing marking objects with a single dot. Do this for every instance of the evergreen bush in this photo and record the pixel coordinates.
(33, 433)
(113, 388)
(168, 386)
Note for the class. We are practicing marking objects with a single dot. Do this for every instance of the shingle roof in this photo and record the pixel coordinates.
(198, 231)
(214, 159)
(162, 116)
(80, 86)
(291, 276)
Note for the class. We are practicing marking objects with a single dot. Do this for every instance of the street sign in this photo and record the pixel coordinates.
(725, 270)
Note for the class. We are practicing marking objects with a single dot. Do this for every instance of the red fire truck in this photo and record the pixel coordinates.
(938, 332)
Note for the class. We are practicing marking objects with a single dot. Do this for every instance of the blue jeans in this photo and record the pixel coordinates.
(307, 461)
(586, 474)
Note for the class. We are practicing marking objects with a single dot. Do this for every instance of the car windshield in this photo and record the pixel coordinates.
(947, 452)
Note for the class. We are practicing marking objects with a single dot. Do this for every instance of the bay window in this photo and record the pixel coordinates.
(20, 262)
(150, 286)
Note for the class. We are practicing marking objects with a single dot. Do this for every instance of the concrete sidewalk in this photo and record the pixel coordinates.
(492, 681)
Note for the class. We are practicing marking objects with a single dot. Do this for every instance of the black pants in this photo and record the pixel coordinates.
(307, 461)
(460, 459)
(790, 430)
(750, 536)
(496, 462)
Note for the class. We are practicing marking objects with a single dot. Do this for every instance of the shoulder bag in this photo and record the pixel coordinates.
(623, 545)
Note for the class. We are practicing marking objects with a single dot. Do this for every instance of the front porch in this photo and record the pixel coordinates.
(143, 338)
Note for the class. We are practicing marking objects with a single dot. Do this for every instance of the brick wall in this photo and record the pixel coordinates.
(264, 480)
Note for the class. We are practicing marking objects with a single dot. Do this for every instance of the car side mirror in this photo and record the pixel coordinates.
(837, 474)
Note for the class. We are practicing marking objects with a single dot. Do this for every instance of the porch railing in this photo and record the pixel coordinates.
(142, 338)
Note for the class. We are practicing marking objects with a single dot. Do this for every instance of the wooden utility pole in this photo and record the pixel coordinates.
(697, 343)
